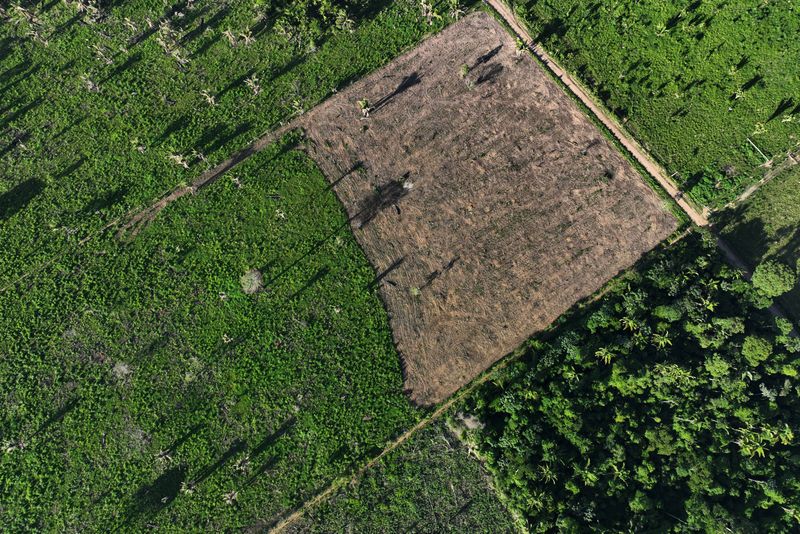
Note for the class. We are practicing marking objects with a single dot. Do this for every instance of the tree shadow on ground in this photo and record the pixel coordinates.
(319, 275)
(385, 196)
(405, 84)
(16, 199)
(105, 201)
(151, 498)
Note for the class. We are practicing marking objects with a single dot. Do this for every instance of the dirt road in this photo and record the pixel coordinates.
(638, 152)
(576, 89)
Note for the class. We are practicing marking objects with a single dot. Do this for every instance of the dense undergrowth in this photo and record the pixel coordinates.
(429, 484)
(767, 228)
(693, 80)
(142, 386)
(105, 107)
(669, 405)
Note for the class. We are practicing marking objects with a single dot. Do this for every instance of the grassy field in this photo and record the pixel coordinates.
(142, 385)
(692, 80)
(668, 405)
(767, 227)
(103, 111)
(430, 484)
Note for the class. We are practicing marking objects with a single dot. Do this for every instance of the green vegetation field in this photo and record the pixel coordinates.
(693, 80)
(141, 385)
(429, 484)
(101, 108)
(671, 404)
(231, 360)
(767, 228)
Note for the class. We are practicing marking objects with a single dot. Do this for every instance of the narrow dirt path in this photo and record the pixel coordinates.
(790, 161)
(140, 219)
(294, 516)
(638, 152)
(655, 170)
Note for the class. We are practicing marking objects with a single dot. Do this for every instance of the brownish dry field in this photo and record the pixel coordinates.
(489, 205)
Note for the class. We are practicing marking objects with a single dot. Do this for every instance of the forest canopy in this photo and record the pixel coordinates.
(671, 404)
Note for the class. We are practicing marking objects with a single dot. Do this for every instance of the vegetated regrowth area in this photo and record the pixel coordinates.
(104, 106)
(695, 81)
(671, 404)
(485, 199)
(766, 230)
(429, 484)
(213, 373)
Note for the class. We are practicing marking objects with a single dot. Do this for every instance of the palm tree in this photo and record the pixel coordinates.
(605, 355)
(661, 340)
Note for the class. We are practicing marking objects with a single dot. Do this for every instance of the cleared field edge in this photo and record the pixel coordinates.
(650, 180)
(445, 408)
(282, 126)
(684, 214)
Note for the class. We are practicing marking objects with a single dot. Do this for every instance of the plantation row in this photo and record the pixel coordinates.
(709, 88)
(670, 404)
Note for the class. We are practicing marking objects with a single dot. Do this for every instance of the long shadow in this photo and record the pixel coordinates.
(783, 106)
(271, 439)
(405, 84)
(212, 23)
(489, 74)
(237, 447)
(319, 275)
(68, 24)
(555, 28)
(57, 417)
(264, 446)
(130, 62)
(206, 45)
(367, 10)
(487, 56)
(70, 126)
(752, 82)
(189, 434)
(175, 126)
(5, 46)
(11, 72)
(71, 169)
(21, 112)
(209, 144)
(383, 198)
(386, 272)
(434, 275)
(17, 198)
(286, 68)
(238, 82)
(264, 24)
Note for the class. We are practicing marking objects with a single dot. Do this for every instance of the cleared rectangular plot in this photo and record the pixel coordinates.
(485, 199)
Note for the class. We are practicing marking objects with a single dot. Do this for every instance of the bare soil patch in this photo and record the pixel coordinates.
(488, 204)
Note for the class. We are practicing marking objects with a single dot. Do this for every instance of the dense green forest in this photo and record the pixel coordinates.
(429, 484)
(671, 404)
(105, 106)
(766, 229)
(154, 383)
(695, 81)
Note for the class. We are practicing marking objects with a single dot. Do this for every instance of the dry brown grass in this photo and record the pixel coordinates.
(493, 199)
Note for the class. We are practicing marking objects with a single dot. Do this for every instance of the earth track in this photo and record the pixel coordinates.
(632, 146)
(655, 170)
